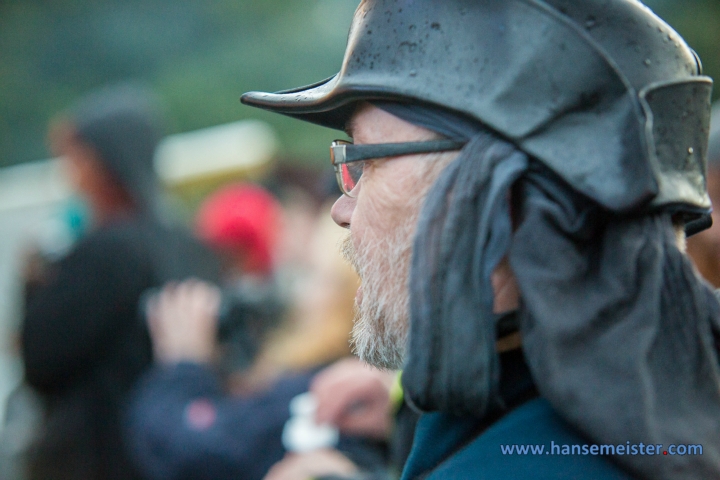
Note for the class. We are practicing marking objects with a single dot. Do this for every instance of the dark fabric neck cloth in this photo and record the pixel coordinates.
(618, 332)
(122, 123)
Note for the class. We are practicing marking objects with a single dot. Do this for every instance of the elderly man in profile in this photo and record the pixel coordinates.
(520, 181)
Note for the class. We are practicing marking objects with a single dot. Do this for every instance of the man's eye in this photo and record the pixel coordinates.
(355, 170)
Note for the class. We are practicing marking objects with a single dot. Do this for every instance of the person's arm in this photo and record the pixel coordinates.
(181, 425)
(72, 320)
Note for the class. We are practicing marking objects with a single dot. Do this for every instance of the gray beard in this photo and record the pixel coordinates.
(380, 331)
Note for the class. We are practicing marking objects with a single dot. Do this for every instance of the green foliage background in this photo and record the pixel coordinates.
(200, 55)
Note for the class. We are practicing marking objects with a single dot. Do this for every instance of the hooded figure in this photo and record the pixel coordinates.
(83, 343)
(549, 302)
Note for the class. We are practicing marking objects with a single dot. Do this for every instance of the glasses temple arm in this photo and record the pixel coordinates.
(355, 153)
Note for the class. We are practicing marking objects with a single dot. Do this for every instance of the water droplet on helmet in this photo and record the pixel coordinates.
(590, 22)
(647, 62)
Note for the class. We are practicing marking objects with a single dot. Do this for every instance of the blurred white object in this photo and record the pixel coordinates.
(33, 184)
(31, 195)
(301, 434)
(205, 155)
(11, 373)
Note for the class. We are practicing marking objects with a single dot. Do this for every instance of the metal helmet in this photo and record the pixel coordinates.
(603, 92)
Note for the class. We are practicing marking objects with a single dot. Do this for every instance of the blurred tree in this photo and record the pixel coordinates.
(201, 55)
(698, 21)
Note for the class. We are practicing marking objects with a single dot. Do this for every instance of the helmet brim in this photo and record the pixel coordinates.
(326, 103)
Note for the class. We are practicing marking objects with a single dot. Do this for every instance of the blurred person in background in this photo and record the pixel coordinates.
(318, 288)
(704, 248)
(517, 194)
(322, 297)
(302, 193)
(240, 222)
(357, 399)
(186, 420)
(83, 343)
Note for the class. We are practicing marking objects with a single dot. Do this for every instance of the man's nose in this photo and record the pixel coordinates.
(342, 211)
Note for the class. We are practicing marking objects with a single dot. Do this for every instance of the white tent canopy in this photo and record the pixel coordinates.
(216, 151)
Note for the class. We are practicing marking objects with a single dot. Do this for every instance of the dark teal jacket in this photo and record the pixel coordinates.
(446, 447)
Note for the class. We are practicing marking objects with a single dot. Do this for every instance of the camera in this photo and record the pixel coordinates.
(245, 316)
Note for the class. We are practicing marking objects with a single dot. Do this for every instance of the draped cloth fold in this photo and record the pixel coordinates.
(618, 330)
(619, 333)
(447, 286)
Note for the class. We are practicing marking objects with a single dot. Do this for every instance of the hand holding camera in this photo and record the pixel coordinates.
(183, 322)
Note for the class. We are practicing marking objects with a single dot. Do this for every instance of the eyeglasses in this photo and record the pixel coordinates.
(348, 159)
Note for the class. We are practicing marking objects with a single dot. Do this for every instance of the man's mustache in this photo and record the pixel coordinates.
(348, 252)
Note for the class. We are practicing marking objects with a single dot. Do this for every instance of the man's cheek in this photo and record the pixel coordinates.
(368, 224)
